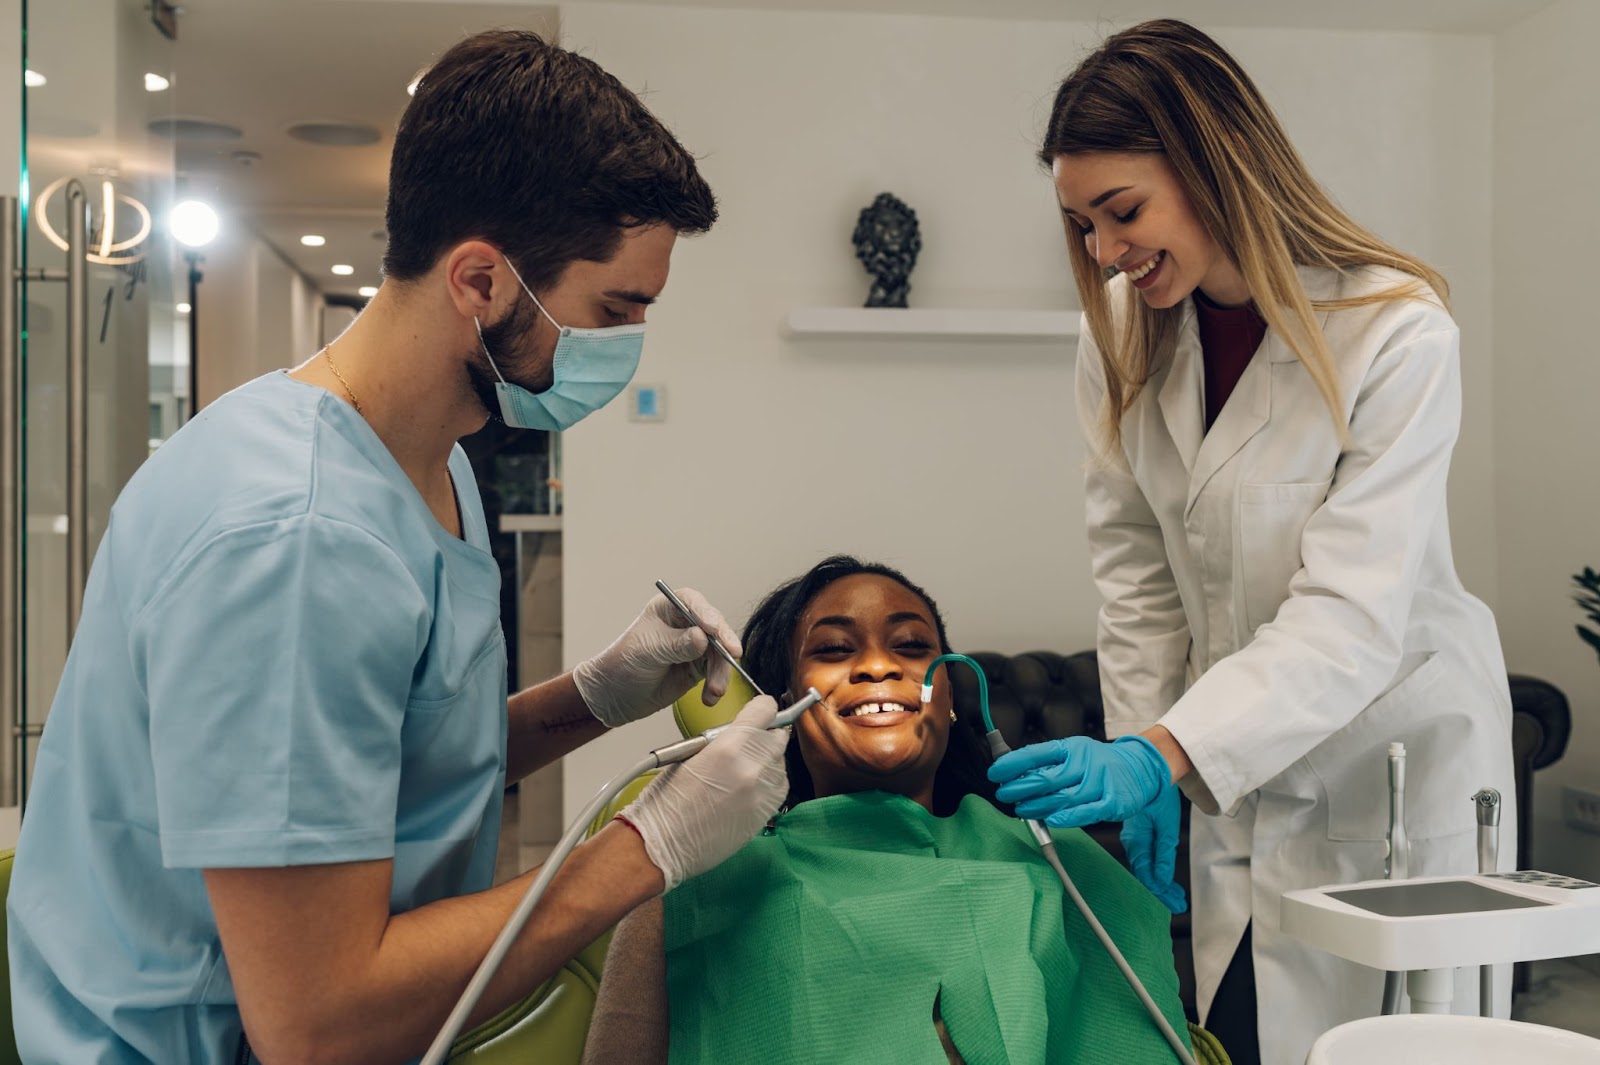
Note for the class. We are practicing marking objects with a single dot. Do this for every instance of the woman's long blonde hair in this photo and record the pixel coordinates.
(1164, 86)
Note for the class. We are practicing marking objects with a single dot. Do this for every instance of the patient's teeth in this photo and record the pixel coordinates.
(881, 708)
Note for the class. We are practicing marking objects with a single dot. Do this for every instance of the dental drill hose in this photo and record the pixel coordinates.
(1048, 845)
(997, 747)
(439, 1049)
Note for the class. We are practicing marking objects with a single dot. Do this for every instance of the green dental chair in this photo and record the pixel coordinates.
(8, 1041)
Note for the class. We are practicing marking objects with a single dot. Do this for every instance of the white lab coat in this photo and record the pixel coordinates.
(1287, 607)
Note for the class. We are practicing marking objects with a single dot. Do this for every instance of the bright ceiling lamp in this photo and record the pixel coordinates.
(194, 224)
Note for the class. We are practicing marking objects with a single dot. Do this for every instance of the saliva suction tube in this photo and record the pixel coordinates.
(1047, 844)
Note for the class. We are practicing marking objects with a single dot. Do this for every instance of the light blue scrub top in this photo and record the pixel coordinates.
(283, 659)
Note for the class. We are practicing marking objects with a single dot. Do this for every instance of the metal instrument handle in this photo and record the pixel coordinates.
(77, 401)
(716, 644)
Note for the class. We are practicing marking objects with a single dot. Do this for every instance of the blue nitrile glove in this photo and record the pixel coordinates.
(1150, 838)
(1080, 781)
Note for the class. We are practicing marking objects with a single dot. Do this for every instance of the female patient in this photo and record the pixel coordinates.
(893, 911)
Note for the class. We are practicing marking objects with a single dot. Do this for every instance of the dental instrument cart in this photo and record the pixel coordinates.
(1428, 926)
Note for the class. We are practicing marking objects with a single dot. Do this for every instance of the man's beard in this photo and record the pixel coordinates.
(505, 340)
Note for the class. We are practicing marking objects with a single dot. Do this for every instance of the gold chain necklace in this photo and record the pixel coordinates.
(327, 353)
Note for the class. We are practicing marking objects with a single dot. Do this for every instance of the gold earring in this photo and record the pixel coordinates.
(952, 717)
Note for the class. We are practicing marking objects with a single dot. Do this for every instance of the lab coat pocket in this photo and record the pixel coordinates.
(1272, 518)
(1426, 713)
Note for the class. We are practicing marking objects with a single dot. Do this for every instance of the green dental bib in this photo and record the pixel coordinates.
(829, 940)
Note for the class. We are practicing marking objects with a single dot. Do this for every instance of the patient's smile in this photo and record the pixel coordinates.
(880, 714)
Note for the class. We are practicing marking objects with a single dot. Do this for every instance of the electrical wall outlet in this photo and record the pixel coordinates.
(1580, 808)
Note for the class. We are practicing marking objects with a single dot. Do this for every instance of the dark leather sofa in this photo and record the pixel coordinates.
(1043, 695)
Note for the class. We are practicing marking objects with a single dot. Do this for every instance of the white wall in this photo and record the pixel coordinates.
(257, 314)
(959, 462)
(1547, 381)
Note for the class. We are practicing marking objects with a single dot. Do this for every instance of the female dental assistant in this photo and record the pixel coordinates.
(1271, 395)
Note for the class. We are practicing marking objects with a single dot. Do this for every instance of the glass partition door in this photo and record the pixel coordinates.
(93, 335)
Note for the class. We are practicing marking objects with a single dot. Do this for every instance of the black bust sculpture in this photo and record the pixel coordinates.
(887, 243)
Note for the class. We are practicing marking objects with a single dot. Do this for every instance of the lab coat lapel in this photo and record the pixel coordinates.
(1249, 408)
(1181, 397)
(1242, 417)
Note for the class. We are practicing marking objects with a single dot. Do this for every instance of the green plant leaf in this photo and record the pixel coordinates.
(1591, 638)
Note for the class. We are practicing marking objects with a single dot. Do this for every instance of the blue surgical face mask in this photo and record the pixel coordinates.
(591, 367)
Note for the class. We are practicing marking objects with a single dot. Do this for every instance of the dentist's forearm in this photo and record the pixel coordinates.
(544, 723)
(324, 973)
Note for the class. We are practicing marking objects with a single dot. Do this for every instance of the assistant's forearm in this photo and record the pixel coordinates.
(544, 723)
(1165, 742)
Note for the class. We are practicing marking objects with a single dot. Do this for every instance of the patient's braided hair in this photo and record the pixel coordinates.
(768, 640)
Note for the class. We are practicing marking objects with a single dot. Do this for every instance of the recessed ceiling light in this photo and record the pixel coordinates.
(312, 240)
(411, 90)
(33, 79)
(184, 308)
(367, 291)
(336, 134)
(344, 270)
(156, 83)
(194, 129)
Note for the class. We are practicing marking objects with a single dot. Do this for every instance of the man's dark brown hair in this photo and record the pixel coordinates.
(536, 150)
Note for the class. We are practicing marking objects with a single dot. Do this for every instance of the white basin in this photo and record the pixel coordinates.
(1434, 1039)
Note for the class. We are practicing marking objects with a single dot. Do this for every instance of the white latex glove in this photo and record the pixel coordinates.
(657, 659)
(696, 814)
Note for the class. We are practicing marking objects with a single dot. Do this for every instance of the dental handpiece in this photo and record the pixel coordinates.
(1487, 803)
(1396, 860)
(716, 644)
(686, 749)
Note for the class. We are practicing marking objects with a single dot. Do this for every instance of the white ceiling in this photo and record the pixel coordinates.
(264, 65)
(1446, 16)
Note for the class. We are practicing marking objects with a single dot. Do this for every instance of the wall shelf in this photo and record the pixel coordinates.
(530, 523)
(916, 323)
